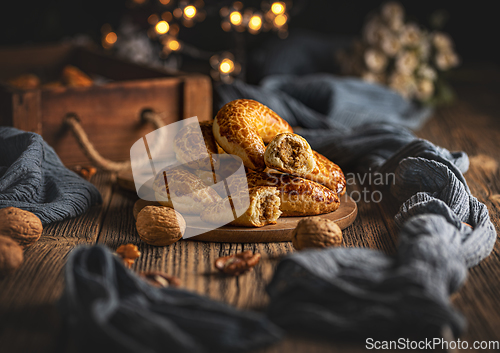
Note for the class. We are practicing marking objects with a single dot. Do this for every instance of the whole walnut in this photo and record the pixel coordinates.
(11, 256)
(316, 233)
(160, 225)
(140, 204)
(22, 226)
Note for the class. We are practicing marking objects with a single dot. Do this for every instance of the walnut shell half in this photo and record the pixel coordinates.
(20, 225)
(160, 225)
(314, 232)
(11, 256)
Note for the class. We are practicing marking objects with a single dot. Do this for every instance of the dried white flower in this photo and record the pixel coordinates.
(390, 44)
(406, 62)
(442, 41)
(372, 31)
(411, 35)
(375, 60)
(426, 72)
(425, 89)
(393, 15)
(403, 84)
(446, 60)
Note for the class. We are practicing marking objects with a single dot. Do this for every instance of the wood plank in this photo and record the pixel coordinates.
(29, 320)
(469, 125)
(192, 261)
(26, 111)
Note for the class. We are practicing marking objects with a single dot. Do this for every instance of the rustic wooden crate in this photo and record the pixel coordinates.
(110, 113)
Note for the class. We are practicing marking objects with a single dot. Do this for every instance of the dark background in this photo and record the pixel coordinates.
(472, 25)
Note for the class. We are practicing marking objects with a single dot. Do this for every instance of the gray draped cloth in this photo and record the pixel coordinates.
(360, 293)
(33, 178)
(330, 293)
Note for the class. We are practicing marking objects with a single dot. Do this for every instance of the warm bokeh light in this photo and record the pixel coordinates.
(177, 12)
(224, 11)
(226, 66)
(167, 16)
(162, 27)
(235, 18)
(174, 29)
(255, 23)
(153, 19)
(111, 38)
(238, 5)
(173, 45)
(226, 26)
(190, 11)
(280, 20)
(278, 8)
(164, 2)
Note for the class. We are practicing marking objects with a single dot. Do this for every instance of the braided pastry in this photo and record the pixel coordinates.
(179, 187)
(189, 143)
(242, 126)
(299, 196)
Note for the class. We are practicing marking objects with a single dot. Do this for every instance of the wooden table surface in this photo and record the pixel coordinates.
(29, 320)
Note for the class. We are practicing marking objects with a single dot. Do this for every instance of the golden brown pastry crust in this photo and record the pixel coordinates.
(208, 178)
(242, 126)
(189, 143)
(328, 174)
(263, 209)
(299, 196)
(190, 194)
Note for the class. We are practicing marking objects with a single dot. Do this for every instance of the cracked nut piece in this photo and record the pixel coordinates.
(86, 172)
(11, 256)
(20, 225)
(160, 225)
(316, 233)
(237, 264)
(128, 253)
(160, 279)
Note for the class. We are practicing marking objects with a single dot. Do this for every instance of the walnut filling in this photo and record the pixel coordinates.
(268, 208)
(291, 155)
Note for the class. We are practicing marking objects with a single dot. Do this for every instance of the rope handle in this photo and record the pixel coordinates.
(73, 122)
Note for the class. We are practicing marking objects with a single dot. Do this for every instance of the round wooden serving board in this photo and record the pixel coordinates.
(281, 231)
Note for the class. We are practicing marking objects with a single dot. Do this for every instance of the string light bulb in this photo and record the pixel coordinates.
(280, 20)
(111, 38)
(235, 18)
(174, 45)
(189, 11)
(255, 23)
(278, 8)
(226, 66)
(162, 27)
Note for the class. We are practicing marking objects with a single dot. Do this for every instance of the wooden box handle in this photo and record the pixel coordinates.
(73, 122)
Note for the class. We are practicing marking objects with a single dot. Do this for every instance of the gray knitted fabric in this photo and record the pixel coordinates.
(32, 177)
(326, 101)
(360, 293)
(354, 292)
